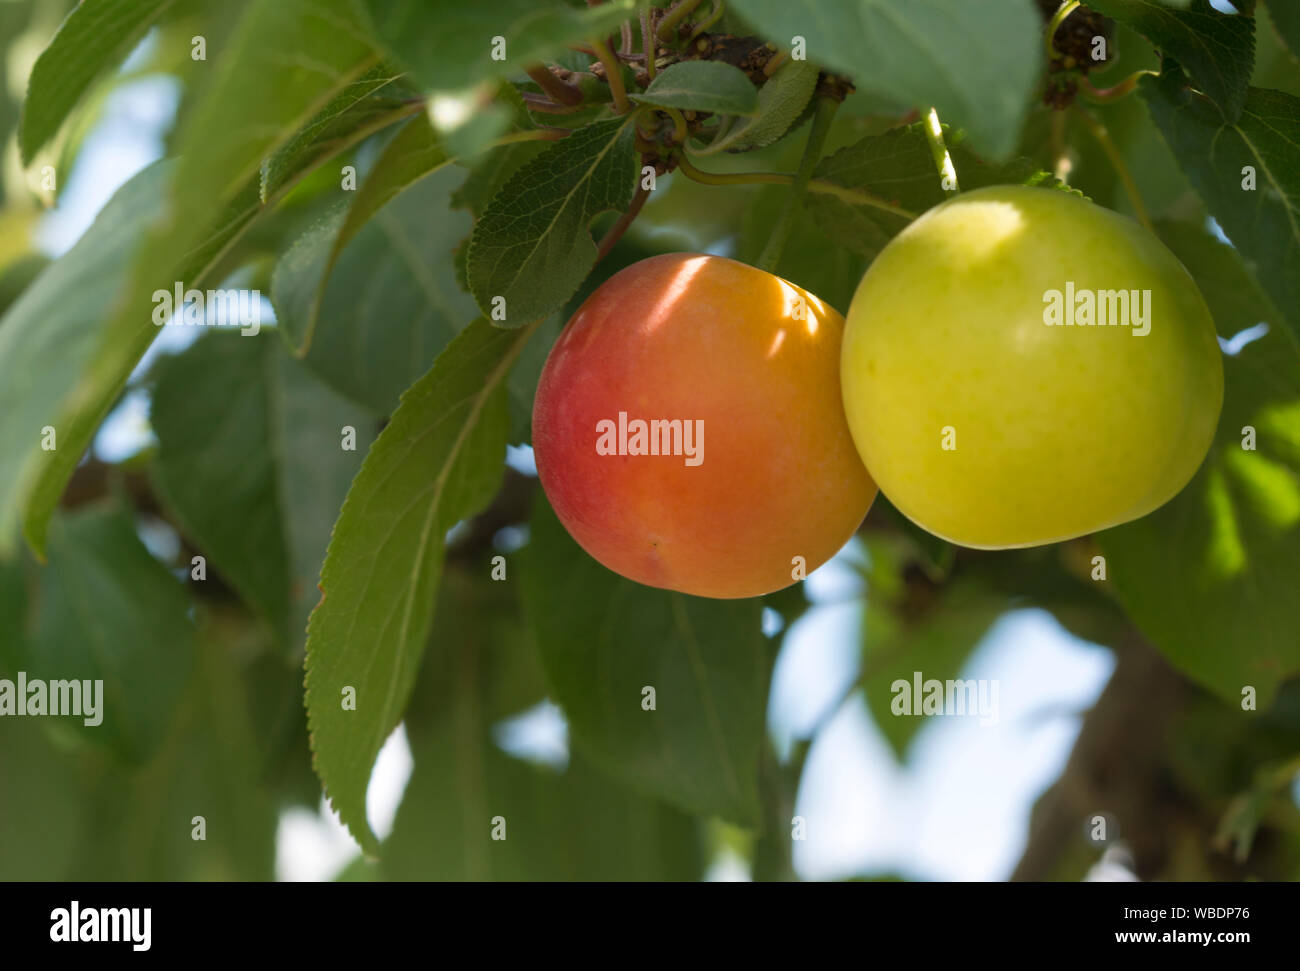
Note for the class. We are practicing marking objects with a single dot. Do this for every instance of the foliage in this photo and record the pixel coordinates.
(425, 192)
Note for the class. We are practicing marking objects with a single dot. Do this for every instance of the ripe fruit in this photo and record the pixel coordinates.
(1058, 430)
(762, 468)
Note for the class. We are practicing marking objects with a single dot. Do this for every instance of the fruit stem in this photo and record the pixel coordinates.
(1058, 18)
(613, 75)
(616, 231)
(854, 196)
(1108, 145)
(561, 92)
(939, 150)
(674, 17)
(812, 153)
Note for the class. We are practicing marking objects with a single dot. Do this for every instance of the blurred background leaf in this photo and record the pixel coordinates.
(605, 640)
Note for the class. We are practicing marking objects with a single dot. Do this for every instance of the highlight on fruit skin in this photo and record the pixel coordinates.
(1022, 366)
(731, 375)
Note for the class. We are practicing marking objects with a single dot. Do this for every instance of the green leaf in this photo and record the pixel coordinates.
(897, 167)
(308, 422)
(1209, 577)
(781, 102)
(173, 234)
(18, 276)
(109, 611)
(42, 806)
(1263, 223)
(521, 383)
(605, 639)
(300, 280)
(480, 649)
(559, 826)
(47, 339)
(831, 272)
(438, 461)
(256, 483)
(532, 245)
(937, 644)
(1233, 296)
(97, 35)
(702, 86)
(490, 171)
(204, 770)
(453, 46)
(287, 61)
(215, 470)
(1286, 19)
(570, 824)
(1217, 49)
(976, 62)
(391, 302)
(370, 103)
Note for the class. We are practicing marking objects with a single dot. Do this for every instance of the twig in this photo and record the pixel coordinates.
(561, 92)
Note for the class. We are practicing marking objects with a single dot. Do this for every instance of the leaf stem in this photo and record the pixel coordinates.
(854, 196)
(714, 16)
(613, 75)
(674, 17)
(649, 43)
(561, 92)
(1112, 151)
(533, 135)
(812, 153)
(1058, 18)
(680, 130)
(939, 151)
(539, 102)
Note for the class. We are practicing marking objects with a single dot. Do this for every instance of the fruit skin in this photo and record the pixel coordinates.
(1060, 430)
(694, 337)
